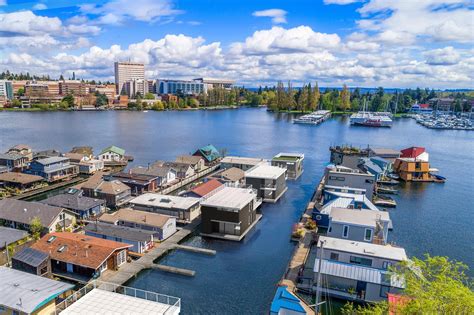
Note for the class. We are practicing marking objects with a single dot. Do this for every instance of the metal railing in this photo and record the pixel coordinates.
(174, 303)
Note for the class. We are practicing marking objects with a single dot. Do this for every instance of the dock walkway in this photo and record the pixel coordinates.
(187, 180)
(42, 190)
(129, 270)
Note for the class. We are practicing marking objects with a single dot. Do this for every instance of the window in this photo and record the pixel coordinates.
(384, 290)
(386, 265)
(345, 231)
(369, 181)
(368, 235)
(330, 229)
(334, 256)
(360, 261)
(121, 257)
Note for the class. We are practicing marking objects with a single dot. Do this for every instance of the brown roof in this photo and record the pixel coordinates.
(189, 159)
(19, 178)
(233, 174)
(74, 157)
(110, 187)
(82, 250)
(136, 216)
(205, 188)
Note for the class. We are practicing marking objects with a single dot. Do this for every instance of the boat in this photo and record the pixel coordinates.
(438, 178)
(370, 119)
(145, 111)
(388, 181)
(314, 118)
(384, 202)
(393, 176)
(386, 190)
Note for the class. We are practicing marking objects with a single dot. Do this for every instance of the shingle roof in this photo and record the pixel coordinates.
(159, 171)
(110, 187)
(188, 159)
(24, 211)
(207, 187)
(26, 292)
(19, 178)
(52, 160)
(233, 174)
(136, 216)
(114, 149)
(11, 156)
(9, 235)
(123, 232)
(31, 256)
(72, 199)
(79, 249)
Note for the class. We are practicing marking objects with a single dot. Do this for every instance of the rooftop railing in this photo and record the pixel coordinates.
(173, 303)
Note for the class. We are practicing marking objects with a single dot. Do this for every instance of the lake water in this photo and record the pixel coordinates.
(242, 277)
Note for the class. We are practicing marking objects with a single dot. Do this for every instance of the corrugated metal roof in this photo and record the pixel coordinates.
(26, 292)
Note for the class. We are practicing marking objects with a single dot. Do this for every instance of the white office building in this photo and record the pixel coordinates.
(128, 71)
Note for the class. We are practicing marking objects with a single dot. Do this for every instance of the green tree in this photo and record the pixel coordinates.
(101, 99)
(36, 227)
(316, 97)
(435, 285)
(302, 100)
(158, 105)
(149, 96)
(16, 103)
(21, 92)
(345, 96)
(69, 99)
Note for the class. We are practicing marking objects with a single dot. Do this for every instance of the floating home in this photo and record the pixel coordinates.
(413, 165)
(74, 200)
(185, 209)
(269, 181)
(292, 162)
(53, 169)
(25, 293)
(345, 177)
(357, 271)
(163, 226)
(229, 213)
(243, 163)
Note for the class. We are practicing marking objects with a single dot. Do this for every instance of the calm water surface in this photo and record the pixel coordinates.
(241, 278)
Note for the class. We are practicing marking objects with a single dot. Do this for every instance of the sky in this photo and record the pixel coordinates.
(365, 43)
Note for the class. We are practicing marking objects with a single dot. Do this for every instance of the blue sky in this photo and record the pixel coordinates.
(395, 43)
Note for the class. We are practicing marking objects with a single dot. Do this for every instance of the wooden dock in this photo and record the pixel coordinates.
(170, 269)
(187, 180)
(205, 251)
(147, 261)
(43, 190)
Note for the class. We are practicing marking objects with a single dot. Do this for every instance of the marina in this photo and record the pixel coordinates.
(445, 121)
(371, 119)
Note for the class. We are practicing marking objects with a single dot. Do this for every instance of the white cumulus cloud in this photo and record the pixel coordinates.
(278, 16)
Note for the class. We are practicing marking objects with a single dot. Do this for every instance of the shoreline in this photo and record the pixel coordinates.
(120, 109)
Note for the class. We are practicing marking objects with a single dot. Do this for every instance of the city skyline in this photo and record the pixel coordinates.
(359, 43)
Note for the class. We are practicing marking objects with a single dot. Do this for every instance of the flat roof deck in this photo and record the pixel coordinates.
(105, 302)
(265, 172)
(165, 201)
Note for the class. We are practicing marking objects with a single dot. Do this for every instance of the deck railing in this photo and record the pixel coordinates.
(173, 303)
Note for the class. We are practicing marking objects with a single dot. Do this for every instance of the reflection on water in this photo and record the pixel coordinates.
(241, 278)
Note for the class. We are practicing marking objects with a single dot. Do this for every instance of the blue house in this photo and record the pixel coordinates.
(209, 153)
(53, 168)
(346, 200)
(286, 302)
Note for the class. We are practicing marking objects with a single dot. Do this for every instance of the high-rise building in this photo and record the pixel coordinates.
(6, 89)
(127, 71)
(75, 87)
(136, 87)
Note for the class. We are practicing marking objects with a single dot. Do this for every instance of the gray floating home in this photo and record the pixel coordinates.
(292, 162)
(269, 181)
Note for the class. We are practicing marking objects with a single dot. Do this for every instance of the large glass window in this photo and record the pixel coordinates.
(360, 261)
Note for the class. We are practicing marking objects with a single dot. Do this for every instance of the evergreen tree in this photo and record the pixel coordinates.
(345, 98)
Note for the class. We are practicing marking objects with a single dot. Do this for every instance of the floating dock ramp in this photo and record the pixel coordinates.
(179, 271)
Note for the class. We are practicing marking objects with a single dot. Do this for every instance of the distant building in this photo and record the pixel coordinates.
(112, 154)
(13, 161)
(127, 71)
(22, 149)
(347, 156)
(184, 87)
(216, 83)
(136, 87)
(209, 153)
(73, 87)
(196, 162)
(25, 293)
(6, 89)
(138, 183)
(169, 98)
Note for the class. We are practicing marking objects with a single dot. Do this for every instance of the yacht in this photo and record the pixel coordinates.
(371, 119)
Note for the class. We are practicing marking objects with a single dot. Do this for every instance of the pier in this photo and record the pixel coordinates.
(43, 190)
(170, 269)
(130, 270)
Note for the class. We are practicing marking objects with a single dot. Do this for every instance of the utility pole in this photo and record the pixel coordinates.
(318, 281)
